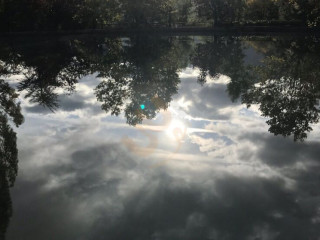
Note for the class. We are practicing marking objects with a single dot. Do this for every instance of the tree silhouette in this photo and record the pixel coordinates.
(148, 77)
(289, 89)
(285, 86)
(5, 205)
(46, 67)
(223, 56)
(9, 109)
(8, 105)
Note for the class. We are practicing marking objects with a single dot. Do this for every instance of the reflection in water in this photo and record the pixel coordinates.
(221, 56)
(223, 179)
(45, 67)
(285, 85)
(288, 89)
(224, 56)
(8, 151)
(147, 78)
(144, 72)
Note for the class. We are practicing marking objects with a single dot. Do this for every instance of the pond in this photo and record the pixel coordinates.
(160, 137)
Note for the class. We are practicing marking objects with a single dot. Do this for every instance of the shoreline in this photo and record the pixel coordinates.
(238, 30)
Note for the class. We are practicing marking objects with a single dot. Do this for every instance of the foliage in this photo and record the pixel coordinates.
(261, 10)
(285, 86)
(307, 11)
(288, 89)
(9, 108)
(143, 70)
(97, 13)
(8, 105)
(148, 78)
(41, 15)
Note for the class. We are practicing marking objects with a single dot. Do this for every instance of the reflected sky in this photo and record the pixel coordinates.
(190, 164)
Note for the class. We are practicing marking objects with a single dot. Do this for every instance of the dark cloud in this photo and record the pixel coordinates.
(71, 103)
(67, 103)
(278, 151)
(96, 204)
(37, 109)
(231, 209)
(94, 176)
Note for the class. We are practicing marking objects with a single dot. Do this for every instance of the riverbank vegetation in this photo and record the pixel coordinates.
(57, 15)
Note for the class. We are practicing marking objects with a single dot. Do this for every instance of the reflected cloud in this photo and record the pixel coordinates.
(109, 193)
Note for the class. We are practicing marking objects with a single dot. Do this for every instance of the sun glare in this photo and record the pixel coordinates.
(176, 130)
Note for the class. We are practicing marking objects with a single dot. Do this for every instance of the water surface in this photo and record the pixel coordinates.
(152, 137)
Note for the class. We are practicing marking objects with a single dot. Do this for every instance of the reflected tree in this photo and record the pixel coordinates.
(146, 80)
(288, 89)
(9, 109)
(285, 85)
(45, 68)
(5, 205)
(60, 67)
(135, 72)
(140, 76)
(223, 56)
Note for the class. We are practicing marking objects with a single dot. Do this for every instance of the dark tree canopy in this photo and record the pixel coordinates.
(285, 85)
(143, 70)
(149, 78)
(288, 89)
(57, 15)
(5, 205)
(223, 56)
(8, 105)
(45, 68)
(8, 151)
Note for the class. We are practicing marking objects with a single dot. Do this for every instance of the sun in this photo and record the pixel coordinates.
(176, 130)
